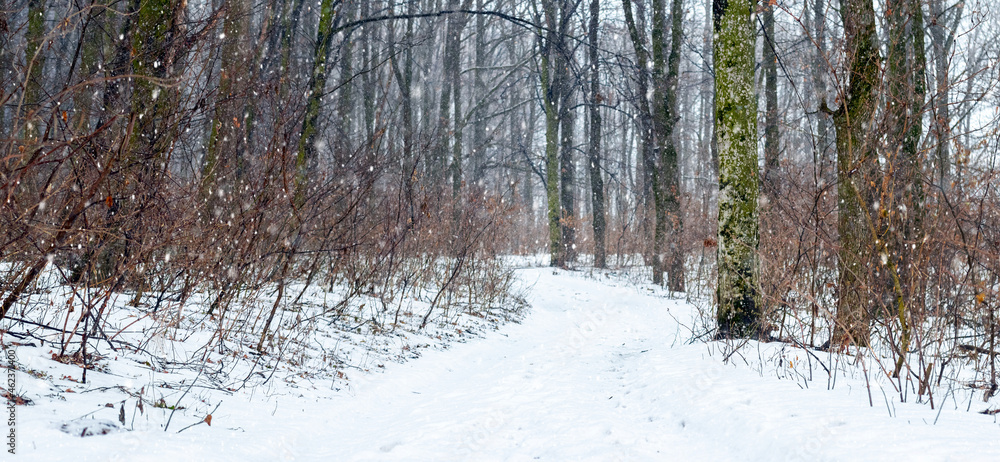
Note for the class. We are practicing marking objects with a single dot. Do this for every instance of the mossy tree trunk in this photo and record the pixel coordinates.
(904, 208)
(155, 51)
(290, 20)
(550, 100)
(222, 167)
(94, 34)
(736, 131)
(34, 57)
(857, 168)
(567, 167)
(307, 153)
(557, 92)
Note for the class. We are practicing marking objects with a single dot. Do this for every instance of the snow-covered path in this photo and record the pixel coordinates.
(595, 372)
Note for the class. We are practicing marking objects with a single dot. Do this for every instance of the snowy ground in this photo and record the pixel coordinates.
(598, 370)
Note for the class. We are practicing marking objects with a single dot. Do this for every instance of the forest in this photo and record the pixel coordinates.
(820, 173)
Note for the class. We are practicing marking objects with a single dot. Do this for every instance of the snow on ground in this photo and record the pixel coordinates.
(598, 370)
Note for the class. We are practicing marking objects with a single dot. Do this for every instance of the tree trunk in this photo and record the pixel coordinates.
(594, 151)
(404, 80)
(856, 168)
(669, 155)
(525, 142)
(223, 158)
(34, 57)
(343, 150)
(819, 66)
(94, 37)
(567, 171)
(661, 117)
(6, 68)
(709, 153)
(370, 77)
(152, 59)
(736, 132)
(439, 162)
(479, 114)
(307, 154)
(567, 167)
(459, 118)
(650, 173)
(942, 40)
(290, 27)
(550, 89)
(905, 76)
(771, 135)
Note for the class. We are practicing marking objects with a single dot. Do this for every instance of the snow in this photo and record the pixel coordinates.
(600, 369)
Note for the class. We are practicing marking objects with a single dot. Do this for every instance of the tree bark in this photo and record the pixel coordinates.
(856, 170)
(343, 150)
(567, 167)
(670, 160)
(594, 150)
(307, 153)
(221, 165)
(404, 80)
(942, 40)
(445, 132)
(819, 66)
(94, 36)
(459, 118)
(567, 172)
(661, 118)
(738, 290)
(479, 138)
(34, 57)
(550, 88)
(771, 135)
(369, 78)
(651, 184)
(905, 76)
